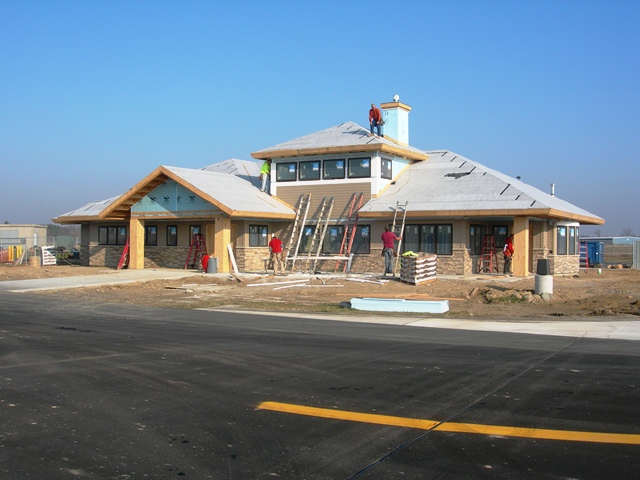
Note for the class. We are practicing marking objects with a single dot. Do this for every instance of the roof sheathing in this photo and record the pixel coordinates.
(450, 185)
(344, 138)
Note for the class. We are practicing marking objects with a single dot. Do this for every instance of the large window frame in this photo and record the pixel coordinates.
(112, 235)
(334, 169)
(286, 172)
(309, 170)
(258, 236)
(428, 238)
(333, 240)
(362, 240)
(359, 167)
(568, 240)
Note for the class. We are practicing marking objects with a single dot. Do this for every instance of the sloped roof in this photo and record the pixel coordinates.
(452, 185)
(90, 211)
(344, 138)
(225, 188)
(248, 170)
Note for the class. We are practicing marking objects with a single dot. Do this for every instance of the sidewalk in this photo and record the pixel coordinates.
(109, 277)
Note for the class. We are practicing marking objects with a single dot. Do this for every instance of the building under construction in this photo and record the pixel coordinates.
(331, 194)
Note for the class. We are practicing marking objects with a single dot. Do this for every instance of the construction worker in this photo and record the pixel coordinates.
(388, 249)
(507, 252)
(375, 119)
(265, 174)
(275, 247)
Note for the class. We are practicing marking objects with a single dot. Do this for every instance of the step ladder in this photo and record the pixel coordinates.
(350, 230)
(293, 245)
(124, 258)
(197, 251)
(584, 256)
(400, 210)
(488, 258)
(315, 248)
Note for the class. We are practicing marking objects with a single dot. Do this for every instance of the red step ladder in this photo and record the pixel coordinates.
(197, 250)
(124, 258)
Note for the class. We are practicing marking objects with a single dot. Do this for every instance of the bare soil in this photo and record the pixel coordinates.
(613, 293)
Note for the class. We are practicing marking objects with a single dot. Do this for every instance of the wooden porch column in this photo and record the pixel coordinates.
(222, 238)
(521, 246)
(136, 244)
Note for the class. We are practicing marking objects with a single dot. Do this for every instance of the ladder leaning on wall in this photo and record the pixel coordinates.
(315, 246)
(350, 230)
(293, 245)
(401, 208)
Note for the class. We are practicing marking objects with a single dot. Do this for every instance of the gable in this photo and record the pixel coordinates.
(172, 198)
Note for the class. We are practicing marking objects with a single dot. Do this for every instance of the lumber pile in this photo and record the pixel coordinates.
(418, 269)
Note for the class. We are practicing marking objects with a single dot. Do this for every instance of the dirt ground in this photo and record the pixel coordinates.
(614, 293)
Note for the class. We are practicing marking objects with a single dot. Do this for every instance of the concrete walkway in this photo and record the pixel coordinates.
(109, 277)
(623, 329)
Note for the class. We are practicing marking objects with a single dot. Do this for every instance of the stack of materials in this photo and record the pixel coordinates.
(418, 268)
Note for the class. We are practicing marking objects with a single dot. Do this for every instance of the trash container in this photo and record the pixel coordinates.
(212, 265)
(544, 267)
(544, 279)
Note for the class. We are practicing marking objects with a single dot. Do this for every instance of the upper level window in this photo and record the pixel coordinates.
(385, 169)
(286, 172)
(333, 169)
(359, 167)
(310, 170)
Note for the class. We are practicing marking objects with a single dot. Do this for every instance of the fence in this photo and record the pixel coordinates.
(636, 254)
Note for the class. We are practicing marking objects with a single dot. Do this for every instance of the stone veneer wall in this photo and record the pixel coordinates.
(104, 255)
(167, 257)
(249, 259)
(564, 264)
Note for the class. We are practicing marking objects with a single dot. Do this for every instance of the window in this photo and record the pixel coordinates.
(151, 235)
(172, 235)
(333, 169)
(572, 240)
(476, 239)
(307, 238)
(359, 167)
(112, 235)
(385, 169)
(333, 239)
(310, 170)
(500, 233)
(258, 235)
(562, 240)
(428, 239)
(193, 230)
(286, 172)
(362, 239)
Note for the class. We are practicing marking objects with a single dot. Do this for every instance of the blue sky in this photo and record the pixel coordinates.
(94, 95)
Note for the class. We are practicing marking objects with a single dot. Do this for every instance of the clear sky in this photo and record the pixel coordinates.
(94, 95)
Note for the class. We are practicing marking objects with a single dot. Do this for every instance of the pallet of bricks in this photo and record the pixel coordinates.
(418, 269)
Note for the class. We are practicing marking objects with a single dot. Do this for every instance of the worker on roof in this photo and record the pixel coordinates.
(265, 174)
(375, 119)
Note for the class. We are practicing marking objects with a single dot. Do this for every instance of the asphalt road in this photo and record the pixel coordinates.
(116, 392)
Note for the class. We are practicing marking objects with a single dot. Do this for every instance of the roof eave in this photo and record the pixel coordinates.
(287, 153)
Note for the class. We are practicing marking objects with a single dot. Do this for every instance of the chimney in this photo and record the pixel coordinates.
(553, 189)
(396, 120)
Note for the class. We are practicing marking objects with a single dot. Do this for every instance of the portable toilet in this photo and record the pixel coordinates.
(595, 252)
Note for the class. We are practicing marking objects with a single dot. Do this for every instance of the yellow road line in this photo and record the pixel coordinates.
(537, 433)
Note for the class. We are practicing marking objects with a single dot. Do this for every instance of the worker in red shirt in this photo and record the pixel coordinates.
(277, 259)
(375, 119)
(507, 252)
(388, 249)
